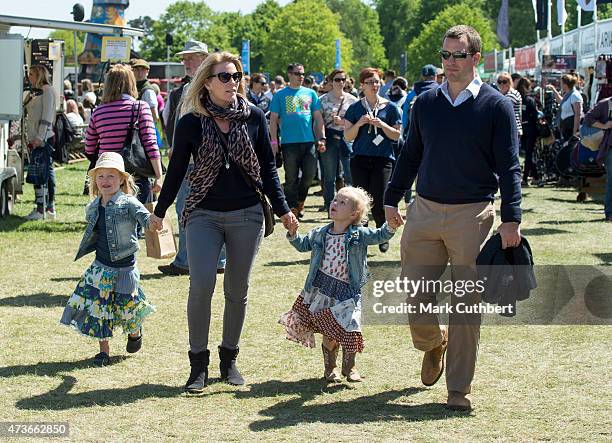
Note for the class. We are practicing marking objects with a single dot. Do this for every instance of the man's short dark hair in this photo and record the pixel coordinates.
(390, 73)
(292, 66)
(473, 37)
(515, 76)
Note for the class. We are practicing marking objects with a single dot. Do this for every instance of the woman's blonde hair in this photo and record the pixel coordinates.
(361, 201)
(127, 187)
(41, 74)
(119, 80)
(197, 91)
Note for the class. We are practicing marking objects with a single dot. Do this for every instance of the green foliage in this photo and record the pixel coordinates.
(398, 25)
(185, 20)
(305, 31)
(424, 49)
(359, 22)
(68, 37)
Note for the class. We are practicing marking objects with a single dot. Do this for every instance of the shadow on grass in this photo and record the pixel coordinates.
(60, 398)
(20, 224)
(543, 231)
(156, 276)
(288, 263)
(568, 222)
(372, 408)
(60, 279)
(40, 300)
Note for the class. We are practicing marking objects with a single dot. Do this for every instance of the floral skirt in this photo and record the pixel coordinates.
(336, 317)
(106, 298)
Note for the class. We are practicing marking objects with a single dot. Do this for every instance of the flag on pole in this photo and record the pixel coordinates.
(503, 33)
(561, 12)
(541, 11)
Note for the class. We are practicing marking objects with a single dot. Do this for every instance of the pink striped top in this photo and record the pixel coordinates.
(109, 123)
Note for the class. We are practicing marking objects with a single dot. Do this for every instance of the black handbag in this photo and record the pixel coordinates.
(265, 204)
(135, 158)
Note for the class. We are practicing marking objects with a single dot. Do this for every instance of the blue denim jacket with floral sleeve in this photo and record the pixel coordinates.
(356, 242)
(123, 213)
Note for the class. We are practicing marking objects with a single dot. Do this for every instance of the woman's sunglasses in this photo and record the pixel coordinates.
(339, 79)
(502, 82)
(225, 77)
(456, 55)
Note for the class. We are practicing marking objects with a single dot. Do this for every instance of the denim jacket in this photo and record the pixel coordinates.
(356, 241)
(123, 212)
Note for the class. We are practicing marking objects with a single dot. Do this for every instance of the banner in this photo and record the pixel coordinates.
(561, 12)
(558, 62)
(246, 56)
(503, 33)
(489, 61)
(338, 54)
(525, 58)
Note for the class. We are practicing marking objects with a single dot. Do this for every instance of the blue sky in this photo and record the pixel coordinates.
(60, 9)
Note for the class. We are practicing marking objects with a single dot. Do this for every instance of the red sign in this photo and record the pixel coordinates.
(489, 61)
(525, 58)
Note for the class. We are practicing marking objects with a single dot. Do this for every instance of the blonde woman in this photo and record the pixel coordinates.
(40, 107)
(229, 142)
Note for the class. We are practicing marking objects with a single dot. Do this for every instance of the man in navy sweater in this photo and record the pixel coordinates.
(463, 146)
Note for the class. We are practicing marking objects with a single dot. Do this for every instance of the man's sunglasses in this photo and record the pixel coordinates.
(300, 74)
(456, 55)
(262, 83)
(339, 79)
(225, 77)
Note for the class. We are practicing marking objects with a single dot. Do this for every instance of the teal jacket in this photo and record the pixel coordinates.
(356, 242)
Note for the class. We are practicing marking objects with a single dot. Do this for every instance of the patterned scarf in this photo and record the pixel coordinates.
(210, 154)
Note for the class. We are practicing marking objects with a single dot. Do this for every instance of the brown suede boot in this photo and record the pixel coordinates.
(433, 361)
(348, 367)
(457, 401)
(330, 356)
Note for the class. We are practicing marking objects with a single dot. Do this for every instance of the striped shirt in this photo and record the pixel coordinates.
(517, 104)
(109, 124)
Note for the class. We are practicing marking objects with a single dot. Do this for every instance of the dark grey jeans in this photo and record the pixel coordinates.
(206, 232)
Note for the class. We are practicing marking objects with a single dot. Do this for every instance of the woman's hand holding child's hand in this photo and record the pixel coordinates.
(155, 223)
(290, 222)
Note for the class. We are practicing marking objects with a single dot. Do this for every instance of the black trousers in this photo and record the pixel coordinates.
(528, 141)
(373, 174)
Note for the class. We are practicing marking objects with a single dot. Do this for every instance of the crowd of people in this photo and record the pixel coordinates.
(366, 139)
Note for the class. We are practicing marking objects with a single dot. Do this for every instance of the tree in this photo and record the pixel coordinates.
(359, 23)
(305, 31)
(185, 20)
(424, 49)
(398, 25)
(68, 37)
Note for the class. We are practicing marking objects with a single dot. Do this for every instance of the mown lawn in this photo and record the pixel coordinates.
(532, 382)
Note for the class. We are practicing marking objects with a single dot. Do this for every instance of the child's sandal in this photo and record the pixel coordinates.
(134, 344)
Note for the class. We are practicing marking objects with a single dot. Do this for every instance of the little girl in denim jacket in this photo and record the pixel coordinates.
(330, 303)
(108, 294)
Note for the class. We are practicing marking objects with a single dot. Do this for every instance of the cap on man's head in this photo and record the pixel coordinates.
(428, 71)
(140, 63)
(194, 47)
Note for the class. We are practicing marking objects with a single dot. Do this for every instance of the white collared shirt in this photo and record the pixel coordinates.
(472, 90)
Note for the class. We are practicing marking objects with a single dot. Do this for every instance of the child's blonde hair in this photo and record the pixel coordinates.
(361, 201)
(128, 186)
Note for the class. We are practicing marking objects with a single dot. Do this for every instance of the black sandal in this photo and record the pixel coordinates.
(134, 344)
(101, 359)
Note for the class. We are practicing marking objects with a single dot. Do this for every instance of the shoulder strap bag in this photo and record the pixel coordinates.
(136, 160)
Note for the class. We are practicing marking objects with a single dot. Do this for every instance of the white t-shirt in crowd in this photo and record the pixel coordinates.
(566, 107)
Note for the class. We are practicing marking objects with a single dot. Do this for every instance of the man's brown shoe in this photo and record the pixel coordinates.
(433, 361)
(457, 401)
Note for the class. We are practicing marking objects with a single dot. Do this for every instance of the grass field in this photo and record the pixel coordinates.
(532, 382)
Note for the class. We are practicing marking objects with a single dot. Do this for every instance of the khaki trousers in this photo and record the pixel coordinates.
(434, 234)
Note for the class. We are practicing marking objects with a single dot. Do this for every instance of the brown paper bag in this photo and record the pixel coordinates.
(160, 244)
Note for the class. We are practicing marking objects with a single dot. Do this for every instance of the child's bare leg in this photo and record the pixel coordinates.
(105, 347)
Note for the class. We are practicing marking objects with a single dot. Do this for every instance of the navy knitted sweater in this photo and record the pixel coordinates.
(462, 154)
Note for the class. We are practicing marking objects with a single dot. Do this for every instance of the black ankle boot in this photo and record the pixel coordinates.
(198, 378)
(227, 366)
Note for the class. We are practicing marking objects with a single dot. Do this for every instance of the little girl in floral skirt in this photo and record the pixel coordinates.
(330, 303)
(109, 295)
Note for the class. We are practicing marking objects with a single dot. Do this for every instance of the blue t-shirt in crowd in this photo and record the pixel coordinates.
(363, 144)
(295, 108)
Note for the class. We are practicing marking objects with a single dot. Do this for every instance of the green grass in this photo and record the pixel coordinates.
(532, 382)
